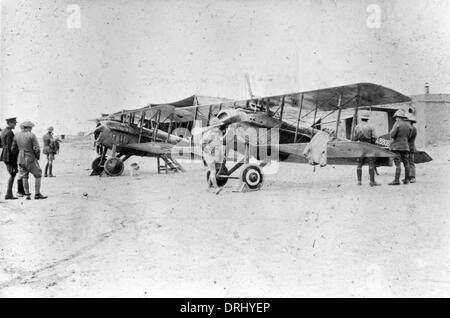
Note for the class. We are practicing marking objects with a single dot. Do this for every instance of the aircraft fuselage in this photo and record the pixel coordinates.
(111, 133)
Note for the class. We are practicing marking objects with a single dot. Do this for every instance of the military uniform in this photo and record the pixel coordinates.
(364, 132)
(29, 153)
(400, 134)
(9, 157)
(412, 150)
(49, 145)
(213, 151)
(49, 150)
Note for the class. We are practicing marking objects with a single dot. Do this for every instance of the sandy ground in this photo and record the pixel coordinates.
(304, 234)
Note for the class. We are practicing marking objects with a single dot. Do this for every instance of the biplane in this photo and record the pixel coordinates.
(151, 131)
(298, 117)
(165, 129)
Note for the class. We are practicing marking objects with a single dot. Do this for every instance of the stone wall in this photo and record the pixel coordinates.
(436, 109)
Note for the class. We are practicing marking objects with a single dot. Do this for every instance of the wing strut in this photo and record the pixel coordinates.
(315, 114)
(339, 115)
(209, 115)
(282, 107)
(155, 129)
(141, 124)
(298, 118)
(192, 139)
(169, 131)
(355, 116)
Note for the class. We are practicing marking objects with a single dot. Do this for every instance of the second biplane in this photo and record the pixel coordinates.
(164, 130)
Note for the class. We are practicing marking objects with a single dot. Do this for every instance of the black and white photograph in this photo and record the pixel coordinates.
(225, 149)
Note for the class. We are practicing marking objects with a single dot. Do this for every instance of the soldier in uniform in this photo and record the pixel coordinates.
(9, 156)
(412, 148)
(49, 150)
(400, 134)
(213, 152)
(27, 145)
(20, 189)
(365, 132)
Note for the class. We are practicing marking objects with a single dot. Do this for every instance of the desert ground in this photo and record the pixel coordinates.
(304, 234)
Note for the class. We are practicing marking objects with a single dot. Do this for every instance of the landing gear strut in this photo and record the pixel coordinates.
(222, 176)
(114, 167)
(97, 165)
(252, 176)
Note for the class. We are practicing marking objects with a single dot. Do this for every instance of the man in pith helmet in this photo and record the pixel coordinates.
(50, 150)
(400, 134)
(365, 132)
(412, 148)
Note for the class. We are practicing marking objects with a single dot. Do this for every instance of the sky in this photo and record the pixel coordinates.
(64, 62)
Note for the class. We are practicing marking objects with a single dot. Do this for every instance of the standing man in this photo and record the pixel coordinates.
(29, 152)
(400, 134)
(365, 132)
(9, 156)
(20, 189)
(49, 150)
(412, 148)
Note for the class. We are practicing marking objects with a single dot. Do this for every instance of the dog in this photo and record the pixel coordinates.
(134, 168)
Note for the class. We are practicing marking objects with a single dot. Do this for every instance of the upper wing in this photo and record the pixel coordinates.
(369, 94)
(363, 94)
(327, 99)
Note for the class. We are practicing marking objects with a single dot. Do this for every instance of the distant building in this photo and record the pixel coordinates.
(433, 117)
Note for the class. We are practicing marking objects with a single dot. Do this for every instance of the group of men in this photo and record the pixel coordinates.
(21, 154)
(403, 135)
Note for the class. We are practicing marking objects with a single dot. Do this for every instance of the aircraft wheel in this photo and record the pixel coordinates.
(97, 166)
(220, 181)
(114, 167)
(253, 177)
